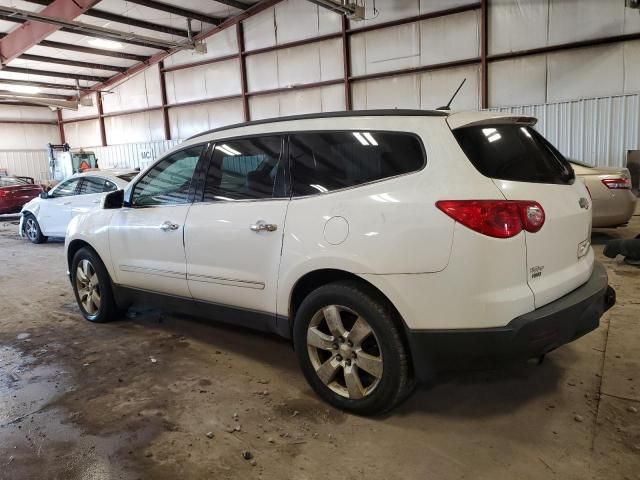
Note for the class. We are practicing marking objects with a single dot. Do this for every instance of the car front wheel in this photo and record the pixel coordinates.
(92, 287)
(350, 348)
(31, 229)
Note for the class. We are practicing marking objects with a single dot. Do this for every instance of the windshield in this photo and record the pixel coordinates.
(514, 152)
(127, 177)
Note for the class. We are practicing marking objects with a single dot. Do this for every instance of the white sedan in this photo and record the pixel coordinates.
(49, 214)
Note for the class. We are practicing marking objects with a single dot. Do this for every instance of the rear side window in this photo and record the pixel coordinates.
(514, 152)
(325, 161)
(91, 185)
(246, 169)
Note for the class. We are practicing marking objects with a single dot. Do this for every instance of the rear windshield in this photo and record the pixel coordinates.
(514, 152)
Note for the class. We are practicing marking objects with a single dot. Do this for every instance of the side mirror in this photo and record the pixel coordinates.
(44, 195)
(113, 200)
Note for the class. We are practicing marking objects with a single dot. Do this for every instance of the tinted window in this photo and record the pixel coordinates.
(513, 152)
(91, 185)
(249, 168)
(322, 162)
(169, 181)
(65, 189)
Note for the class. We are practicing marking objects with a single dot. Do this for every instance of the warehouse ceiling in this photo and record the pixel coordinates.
(49, 48)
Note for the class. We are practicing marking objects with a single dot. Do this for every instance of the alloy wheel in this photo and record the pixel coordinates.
(31, 229)
(344, 352)
(88, 287)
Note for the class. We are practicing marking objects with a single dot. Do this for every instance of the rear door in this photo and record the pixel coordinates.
(524, 166)
(233, 238)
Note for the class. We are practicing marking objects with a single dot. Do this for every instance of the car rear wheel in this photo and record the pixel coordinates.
(92, 287)
(32, 231)
(350, 349)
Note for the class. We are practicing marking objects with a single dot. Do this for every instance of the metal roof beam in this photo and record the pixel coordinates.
(31, 83)
(22, 39)
(48, 73)
(93, 51)
(177, 11)
(71, 63)
(234, 4)
(86, 29)
(134, 22)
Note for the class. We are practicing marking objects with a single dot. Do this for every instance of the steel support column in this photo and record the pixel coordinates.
(243, 72)
(163, 97)
(484, 44)
(103, 131)
(346, 54)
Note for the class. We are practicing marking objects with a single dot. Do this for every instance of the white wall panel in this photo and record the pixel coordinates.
(598, 131)
(631, 20)
(437, 87)
(392, 48)
(82, 111)
(300, 19)
(393, 92)
(299, 65)
(219, 45)
(311, 100)
(134, 128)
(454, 37)
(508, 19)
(259, 30)
(133, 155)
(85, 133)
(590, 72)
(632, 66)
(194, 119)
(426, 90)
(289, 21)
(16, 136)
(573, 20)
(394, 11)
(28, 163)
(14, 112)
(214, 80)
(518, 81)
(140, 91)
(428, 42)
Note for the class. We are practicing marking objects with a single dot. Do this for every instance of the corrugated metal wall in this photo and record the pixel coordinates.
(28, 163)
(132, 155)
(597, 131)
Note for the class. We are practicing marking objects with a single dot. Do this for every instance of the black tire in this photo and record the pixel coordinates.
(31, 229)
(395, 382)
(107, 309)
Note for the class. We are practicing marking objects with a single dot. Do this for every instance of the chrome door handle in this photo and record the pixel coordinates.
(166, 226)
(263, 227)
(66, 203)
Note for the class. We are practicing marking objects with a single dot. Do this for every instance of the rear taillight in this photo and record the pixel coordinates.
(618, 183)
(495, 218)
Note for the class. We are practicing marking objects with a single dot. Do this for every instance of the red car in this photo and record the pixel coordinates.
(15, 192)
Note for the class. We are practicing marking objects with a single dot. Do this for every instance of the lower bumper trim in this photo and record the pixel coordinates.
(528, 336)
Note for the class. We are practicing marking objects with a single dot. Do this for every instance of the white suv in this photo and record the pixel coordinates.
(385, 244)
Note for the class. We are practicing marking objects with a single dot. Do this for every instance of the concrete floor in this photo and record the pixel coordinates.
(136, 398)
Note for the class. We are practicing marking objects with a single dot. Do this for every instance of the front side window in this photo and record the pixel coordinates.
(325, 161)
(246, 169)
(169, 181)
(65, 189)
(91, 185)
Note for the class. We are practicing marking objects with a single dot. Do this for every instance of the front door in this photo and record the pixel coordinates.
(55, 212)
(146, 237)
(233, 238)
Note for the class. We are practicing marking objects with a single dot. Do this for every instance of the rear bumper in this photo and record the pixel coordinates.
(527, 336)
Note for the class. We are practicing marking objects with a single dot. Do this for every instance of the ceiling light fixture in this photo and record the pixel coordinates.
(106, 44)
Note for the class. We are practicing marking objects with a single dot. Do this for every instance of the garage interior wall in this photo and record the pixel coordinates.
(297, 57)
(25, 132)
